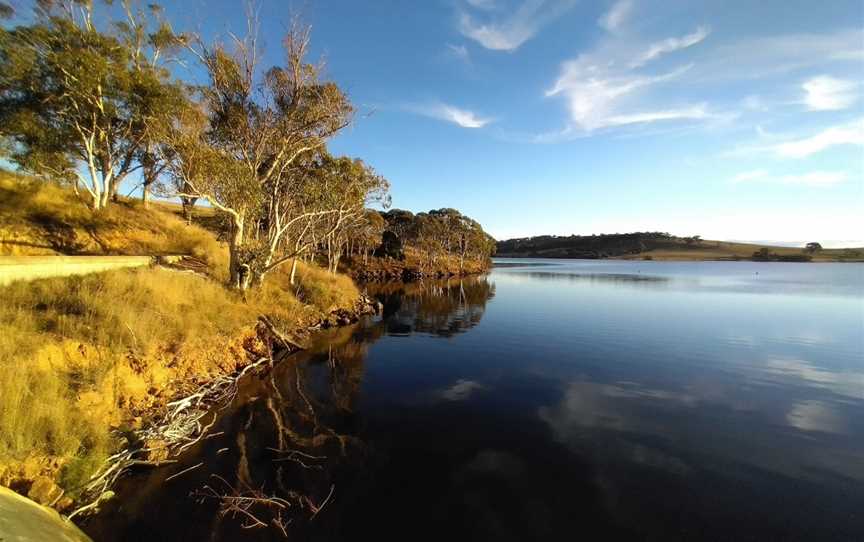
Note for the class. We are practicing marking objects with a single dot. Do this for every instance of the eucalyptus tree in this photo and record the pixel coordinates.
(400, 222)
(74, 102)
(154, 45)
(471, 241)
(813, 247)
(260, 129)
(441, 233)
(348, 186)
(427, 233)
(369, 232)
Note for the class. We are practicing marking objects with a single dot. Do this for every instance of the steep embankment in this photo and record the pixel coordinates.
(659, 246)
(87, 360)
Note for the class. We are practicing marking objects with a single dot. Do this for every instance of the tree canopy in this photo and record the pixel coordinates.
(79, 104)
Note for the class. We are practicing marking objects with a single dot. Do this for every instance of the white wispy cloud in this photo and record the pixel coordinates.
(617, 15)
(754, 102)
(812, 178)
(670, 45)
(752, 175)
(450, 113)
(687, 113)
(825, 93)
(847, 134)
(759, 57)
(460, 52)
(609, 85)
(816, 178)
(615, 84)
(483, 4)
(594, 94)
(509, 31)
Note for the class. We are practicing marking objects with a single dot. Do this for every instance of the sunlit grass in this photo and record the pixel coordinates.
(77, 353)
(41, 218)
(76, 350)
(326, 291)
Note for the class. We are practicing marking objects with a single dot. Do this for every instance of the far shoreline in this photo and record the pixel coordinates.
(659, 246)
(643, 259)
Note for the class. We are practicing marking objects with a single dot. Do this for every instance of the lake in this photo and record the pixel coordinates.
(549, 400)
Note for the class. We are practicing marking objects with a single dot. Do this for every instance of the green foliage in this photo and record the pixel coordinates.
(765, 255)
(74, 99)
(440, 234)
(592, 246)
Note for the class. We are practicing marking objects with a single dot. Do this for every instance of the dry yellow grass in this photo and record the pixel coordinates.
(322, 289)
(78, 352)
(82, 356)
(41, 218)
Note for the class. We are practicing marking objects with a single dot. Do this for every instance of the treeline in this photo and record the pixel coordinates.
(400, 244)
(592, 246)
(88, 99)
(765, 255)
(442, 233)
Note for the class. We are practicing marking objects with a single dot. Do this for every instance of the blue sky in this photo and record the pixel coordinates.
(731, 119)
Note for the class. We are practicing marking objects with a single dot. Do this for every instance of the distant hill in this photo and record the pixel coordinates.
(661, 246)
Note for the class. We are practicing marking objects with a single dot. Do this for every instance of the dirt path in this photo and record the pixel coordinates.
(15, 268)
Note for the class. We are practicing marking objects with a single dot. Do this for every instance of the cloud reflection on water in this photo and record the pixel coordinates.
(817, 416)
(461, 390)
(796, 371)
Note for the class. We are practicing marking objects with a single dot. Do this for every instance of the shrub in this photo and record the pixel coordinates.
(324, 290)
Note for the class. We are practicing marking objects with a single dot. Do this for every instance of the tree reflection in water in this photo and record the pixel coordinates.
(286, 458)
(443, 307)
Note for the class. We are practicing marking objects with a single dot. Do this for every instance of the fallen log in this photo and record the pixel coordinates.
(278, 336)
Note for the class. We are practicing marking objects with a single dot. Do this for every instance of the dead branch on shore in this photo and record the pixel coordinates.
(298, 457)
(184, 471)
(316, 508)
(186, 422)
(277, 336)
(250, 505)
(253, 506)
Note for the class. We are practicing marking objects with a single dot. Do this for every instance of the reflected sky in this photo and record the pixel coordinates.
(698, 398)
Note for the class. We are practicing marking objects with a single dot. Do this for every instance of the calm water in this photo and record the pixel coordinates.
(551, 400)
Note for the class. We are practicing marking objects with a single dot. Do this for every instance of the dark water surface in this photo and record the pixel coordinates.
(570, 400)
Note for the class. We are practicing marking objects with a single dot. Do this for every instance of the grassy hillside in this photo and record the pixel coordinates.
(722, 250)
(42, 218)
(660, 246)
(84, 358)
